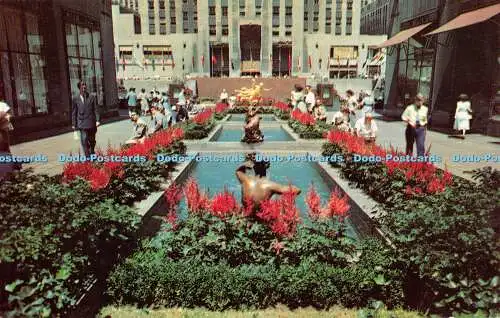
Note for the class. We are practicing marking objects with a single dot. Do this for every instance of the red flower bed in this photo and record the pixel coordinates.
(203, 117)
(221, 107)
(337, 205)
(303, 118)
(419, 176)
(281, 214)
(100, 174)
(281, 106)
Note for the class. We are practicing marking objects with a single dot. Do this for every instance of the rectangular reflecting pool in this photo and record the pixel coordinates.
(241, 117)
(270, 134)
(213, 176)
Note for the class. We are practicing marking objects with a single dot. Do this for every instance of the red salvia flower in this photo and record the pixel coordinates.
(248, 207)
(221, 107)
(313, 202)
(338, 205)
(203, 117)
(196, 200)
(281, 215)
(99, 179)
(224, 204)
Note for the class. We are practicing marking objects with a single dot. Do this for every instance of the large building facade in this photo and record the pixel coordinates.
(46, 47)
(175, 38)
(374, 15)
(443, 48)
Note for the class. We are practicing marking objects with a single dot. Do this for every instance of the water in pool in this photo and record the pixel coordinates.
(270, 134)
(214, 176)
(241, 117)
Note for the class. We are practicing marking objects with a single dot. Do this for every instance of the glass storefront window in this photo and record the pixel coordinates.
(35, 41)
(39, 83)
(85, 63)
(71, 40)
(24, 93)
(74, 74)
(85, 42)
(96, 39)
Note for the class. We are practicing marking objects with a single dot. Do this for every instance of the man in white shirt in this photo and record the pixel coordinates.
(366, 128)
(415, 116)
(310, 98)
(224, 96)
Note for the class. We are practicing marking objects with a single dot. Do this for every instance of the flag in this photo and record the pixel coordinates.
(214, 59)
(117, 62)
(222, 58)
(193, 61)
(232, 65)
(298, 64)
(289, 61)
(173, 64)
(145, 62)
(203, 60)
(153, 64)
(123, 63)
(163, 62)
(310, 62)
(338, 60)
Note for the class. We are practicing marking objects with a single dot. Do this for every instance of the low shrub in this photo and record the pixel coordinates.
(225, 256)
(439, 224)
(58, 233)
(148, 279)
(244, 109)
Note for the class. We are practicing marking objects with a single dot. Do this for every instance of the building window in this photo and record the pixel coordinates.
(224, 11)
(242, 13)
(212, 30)
(151, 29)
(288, 33)
(349, 4)
(151, 5)
(163, 28)
(86, 62)
(158, 55)
(137, 24)
(172, 5)
(276, 33)
(173, 28)
(225, 30)
(211, 10)
(25, 58)
(161, 4)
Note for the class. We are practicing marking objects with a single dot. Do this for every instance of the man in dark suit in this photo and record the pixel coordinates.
(85, 117)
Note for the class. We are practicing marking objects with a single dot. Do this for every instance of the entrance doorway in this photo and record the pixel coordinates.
(219, 60)
(250, 43)
(282, 57)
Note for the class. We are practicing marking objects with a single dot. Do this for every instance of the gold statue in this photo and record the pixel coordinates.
(252, 94)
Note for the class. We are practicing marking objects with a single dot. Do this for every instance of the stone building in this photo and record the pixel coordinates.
(46, 46)
(175, 38)
(443, 48)
(374, 15)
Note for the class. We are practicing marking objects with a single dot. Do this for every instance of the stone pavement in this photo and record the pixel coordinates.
(390, 133)
(113, 134)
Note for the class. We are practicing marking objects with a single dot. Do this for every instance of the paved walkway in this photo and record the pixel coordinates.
(390, 133)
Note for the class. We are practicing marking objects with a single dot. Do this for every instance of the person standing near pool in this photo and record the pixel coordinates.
(415, 116)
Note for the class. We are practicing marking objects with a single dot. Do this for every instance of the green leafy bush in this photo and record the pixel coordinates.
(445, 240)
(316, 131)
(236, 263)
(196, 131)
(244, 109)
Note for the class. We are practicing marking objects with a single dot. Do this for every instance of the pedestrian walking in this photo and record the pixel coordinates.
(415, 116)
(132, 101)
(143, 101)
(463, 114)
(85, 118)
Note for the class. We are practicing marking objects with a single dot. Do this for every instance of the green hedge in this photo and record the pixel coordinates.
(281, 114)
(221, 264)
(244, 109)
(316, 131)
(196, 131)
(445, 239)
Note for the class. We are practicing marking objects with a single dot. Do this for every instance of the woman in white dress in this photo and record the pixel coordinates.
(463, 114)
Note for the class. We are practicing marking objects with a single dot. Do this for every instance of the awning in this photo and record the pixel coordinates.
(403, 35)
(469, 18)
